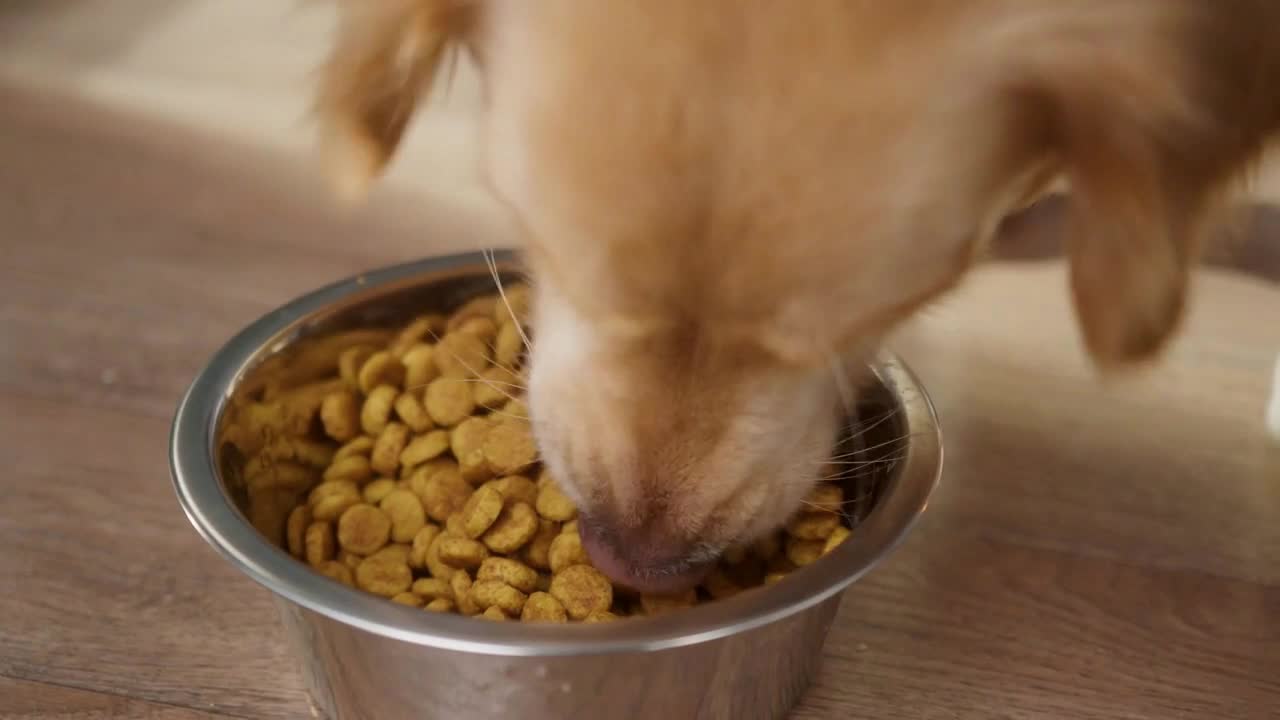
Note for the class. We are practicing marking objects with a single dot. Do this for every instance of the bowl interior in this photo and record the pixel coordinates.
(298, 346)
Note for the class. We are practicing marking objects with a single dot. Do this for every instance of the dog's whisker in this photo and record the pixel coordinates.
(492, 262)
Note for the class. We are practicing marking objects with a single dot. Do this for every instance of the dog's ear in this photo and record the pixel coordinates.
(1150, 112)
(385, 55)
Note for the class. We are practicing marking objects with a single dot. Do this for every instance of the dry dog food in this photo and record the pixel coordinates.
(402, 463)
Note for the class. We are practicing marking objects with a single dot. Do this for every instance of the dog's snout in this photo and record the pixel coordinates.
(648, 558)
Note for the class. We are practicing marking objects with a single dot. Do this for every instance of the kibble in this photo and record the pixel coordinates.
(412, 473)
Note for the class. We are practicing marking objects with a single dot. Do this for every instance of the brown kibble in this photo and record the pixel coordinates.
(495, 593)
(460, 583)
(420, 368)
(515, 526)
(516, 410)
(494, 613)
(555, 505)
(363, 529)
(408, 598)
(813, 525)
(804, 552)
(437, 567)
(839, 535)
(468, 436)
(476, 307)
(378, 489)
(512, 305)
(516, 487)
(318, 543)
(495, 387)
(600, 616)
(382, 368)
(330, 499)
(449, 401)
(335, 570)
(509, 448)
(411, 410)
(482, 327)
(418, 548)
(582, 590)
(455, 525)
(296, 531)
(773, 577)
(474, 468)
(565, 551)
(384, 576)
(442, 494)
(385, 458)
(340, 415)
(440, 605)
(508, 346)
(543, 607)
(480, 511)
(362, 445)
(350, 559)
(432, 588)
(827, 497)
(415, 332)
(425, 447)
(512, 572)
(570, 527)
(406, 513)
(351, 360)
(462, 553)
(460, 355)
(355, 468)
(376, 412)
(538, 552)
(662, 604)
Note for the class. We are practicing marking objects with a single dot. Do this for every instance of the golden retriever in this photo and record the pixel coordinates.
(725, 201)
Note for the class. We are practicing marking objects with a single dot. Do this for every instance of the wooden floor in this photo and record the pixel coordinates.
(1096, 550)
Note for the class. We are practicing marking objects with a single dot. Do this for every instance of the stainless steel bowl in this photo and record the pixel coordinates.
(749, 656)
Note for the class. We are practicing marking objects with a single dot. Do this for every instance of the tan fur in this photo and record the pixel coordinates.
(720, 196)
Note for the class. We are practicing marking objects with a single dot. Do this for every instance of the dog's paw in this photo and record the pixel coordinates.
(1273, 405)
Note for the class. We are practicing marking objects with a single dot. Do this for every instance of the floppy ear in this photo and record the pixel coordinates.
(1151, 113)
(385, 55)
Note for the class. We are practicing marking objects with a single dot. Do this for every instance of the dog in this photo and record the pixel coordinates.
(726, 202)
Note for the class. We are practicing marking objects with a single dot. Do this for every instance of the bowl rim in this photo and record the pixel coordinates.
(192, 461)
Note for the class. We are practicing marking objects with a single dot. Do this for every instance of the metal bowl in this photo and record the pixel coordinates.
(748, 656)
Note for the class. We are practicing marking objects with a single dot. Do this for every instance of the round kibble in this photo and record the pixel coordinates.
(600, 616)
(378, 489)
(340, 415)
(384, 576)
(409, 409)
(494, 613)
(335, 570)
(382, 368)
(437, 567)
(826, 496)
(468, 436)
(480, 511)
(474, 467)
(351, 360)
(512, 572)
(582, 590)
(543, 607)
(662, 604)
(460, 583)
(515, 526)
(495, 387)
(813, 525)
(391, 442)
(804, 552)
(509, 448)
(537, 553)
(318, 543)
(355, 468)
(410, 599)
(432, 588)
(425, 447)
(476, 307)
(406, 513)
(495, 593)
(441, 605)
(376, 411)
(460, 552)
(296, 530)
(443, 494)
(566, 550)
(448, 401)
(363, 529)
(516, 487)
(362, 445)
(837, 536)
(420, 368)
(418, 548)
(555, 505)
(508, 346)
(483, 328)
(461, 355)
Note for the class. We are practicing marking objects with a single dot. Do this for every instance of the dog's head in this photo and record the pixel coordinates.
(726, 201)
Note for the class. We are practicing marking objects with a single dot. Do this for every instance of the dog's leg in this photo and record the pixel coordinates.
(1273, 406)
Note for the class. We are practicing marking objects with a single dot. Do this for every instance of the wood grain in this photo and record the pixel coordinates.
(1096, 550)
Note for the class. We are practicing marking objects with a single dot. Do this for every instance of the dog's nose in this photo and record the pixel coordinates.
(648, 559)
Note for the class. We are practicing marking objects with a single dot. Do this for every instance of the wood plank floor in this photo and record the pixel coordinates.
(1097, 550)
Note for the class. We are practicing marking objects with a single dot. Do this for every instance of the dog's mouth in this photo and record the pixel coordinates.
(651, 574)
